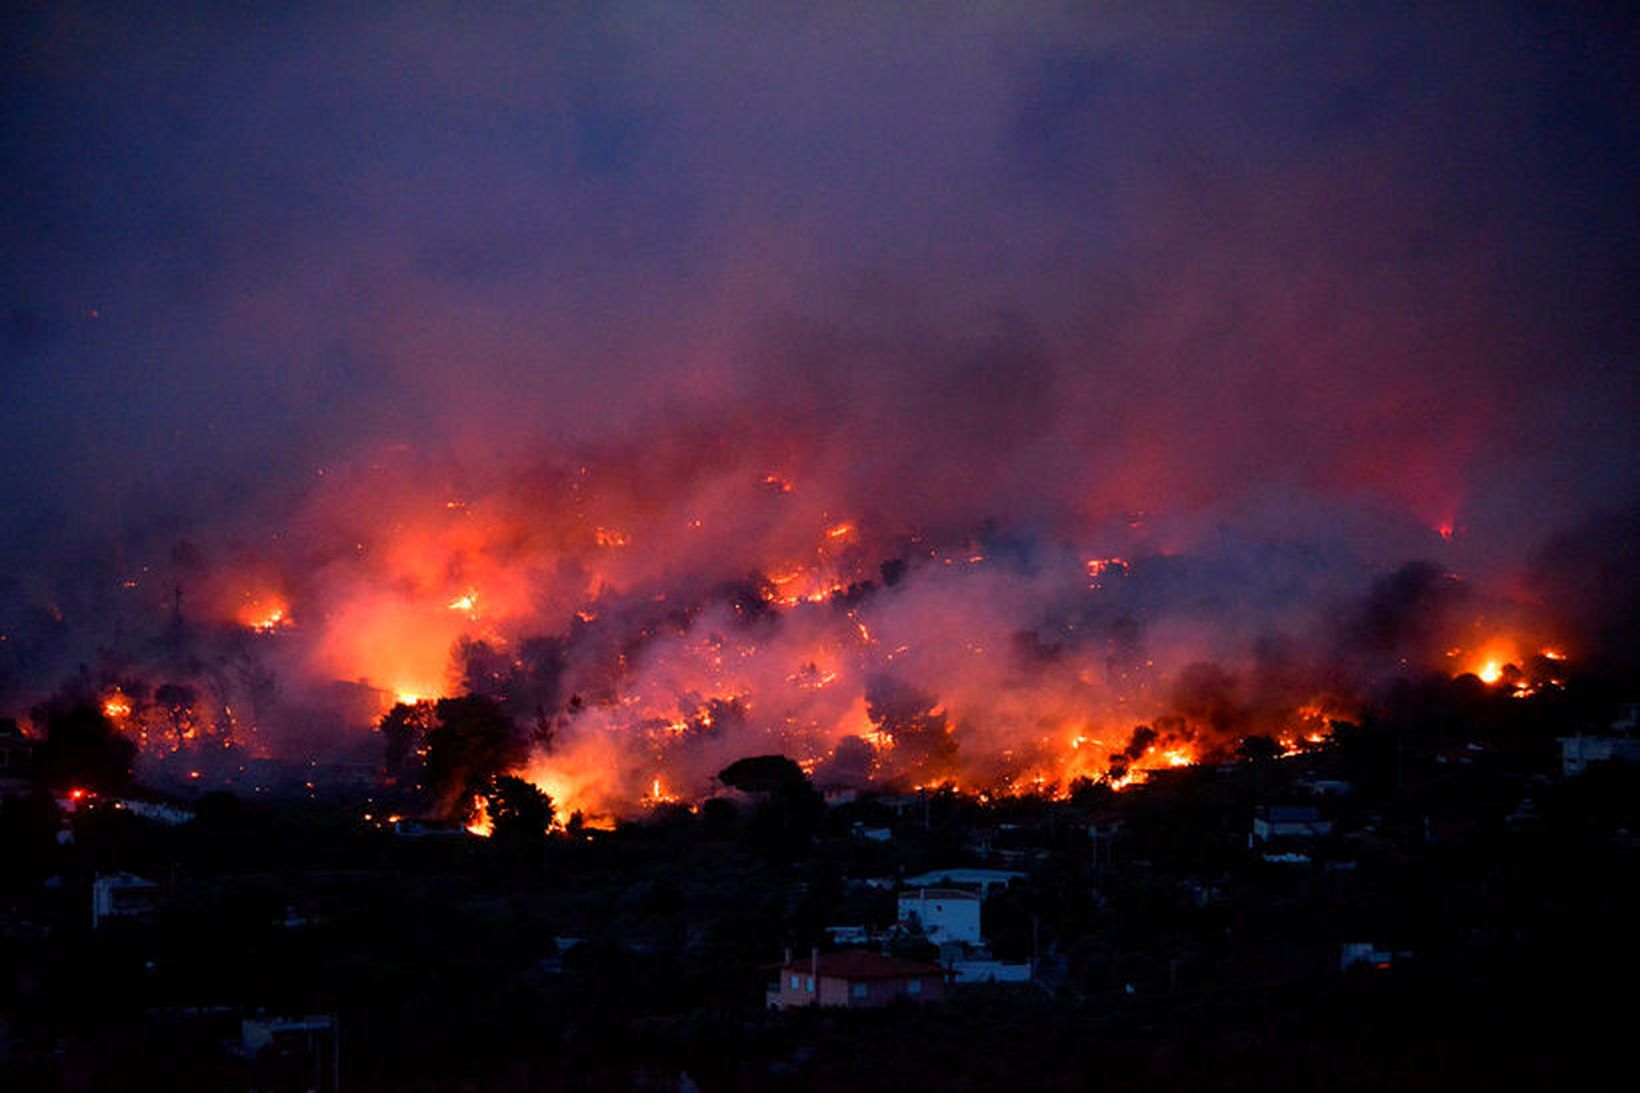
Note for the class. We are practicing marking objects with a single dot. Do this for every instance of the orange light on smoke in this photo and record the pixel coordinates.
(263, 613)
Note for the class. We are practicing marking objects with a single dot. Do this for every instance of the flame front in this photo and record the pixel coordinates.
(648, 632)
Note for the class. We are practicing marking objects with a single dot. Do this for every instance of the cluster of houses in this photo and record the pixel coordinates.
(1619, 741)
(942, 908)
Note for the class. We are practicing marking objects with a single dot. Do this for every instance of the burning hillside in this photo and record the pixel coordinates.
(1036, 395)
(641, 628)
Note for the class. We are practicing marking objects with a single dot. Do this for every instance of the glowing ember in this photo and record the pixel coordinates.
(1098, 567)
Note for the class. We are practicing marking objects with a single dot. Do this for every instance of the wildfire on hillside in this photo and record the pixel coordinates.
(745, 616)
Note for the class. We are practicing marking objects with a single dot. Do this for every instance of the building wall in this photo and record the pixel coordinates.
(945, 915)
(796, 988)
(870, 993)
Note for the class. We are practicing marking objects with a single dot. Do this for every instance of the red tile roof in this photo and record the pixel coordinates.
(863, 965)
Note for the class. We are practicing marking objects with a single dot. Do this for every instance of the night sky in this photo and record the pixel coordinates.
(1092, 272)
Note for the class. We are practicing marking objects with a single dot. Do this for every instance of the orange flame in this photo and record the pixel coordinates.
(264, 613)
(479, 822)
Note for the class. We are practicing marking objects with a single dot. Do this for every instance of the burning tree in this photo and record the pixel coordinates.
(924, 746)
(461, 746)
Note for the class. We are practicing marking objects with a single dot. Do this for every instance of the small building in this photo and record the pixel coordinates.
(122, 895)
(942, 914)
(1366, 954)
(834, 794)
(1288, 822)
(290, 1052)
(1577, 752)
(986, 969)
(855, 980)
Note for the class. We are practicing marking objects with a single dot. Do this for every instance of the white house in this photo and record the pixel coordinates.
(943, 914)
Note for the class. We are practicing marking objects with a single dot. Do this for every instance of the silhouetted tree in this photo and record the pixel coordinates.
(472, 742)
(718, 816)
(1257, 749)
(519, 812)
(761, 774)
(83, 749)
(404, 731)
(785, 820)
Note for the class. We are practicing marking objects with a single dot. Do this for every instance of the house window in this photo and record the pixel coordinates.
(808, 982)
(797, 982)
(859, 990)
(914, 987)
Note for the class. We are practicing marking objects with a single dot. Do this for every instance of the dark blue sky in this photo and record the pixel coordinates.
(1050, 263)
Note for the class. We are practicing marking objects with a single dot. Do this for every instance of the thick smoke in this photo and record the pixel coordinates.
(702, 386)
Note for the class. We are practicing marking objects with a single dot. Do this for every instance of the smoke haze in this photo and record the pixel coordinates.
(721, 353)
